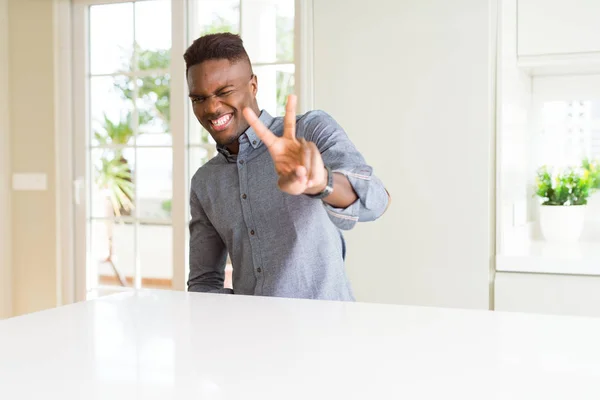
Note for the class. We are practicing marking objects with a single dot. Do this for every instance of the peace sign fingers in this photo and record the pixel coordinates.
(289, 121)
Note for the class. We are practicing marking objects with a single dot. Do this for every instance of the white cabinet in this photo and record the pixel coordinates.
(552, 27)
(548, 294)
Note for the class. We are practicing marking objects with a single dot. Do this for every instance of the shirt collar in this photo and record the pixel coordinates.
(249, 134)
(254, 140)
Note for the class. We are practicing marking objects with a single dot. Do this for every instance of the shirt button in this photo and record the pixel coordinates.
(242, 162)
(244, 196)
(252, 233)
(258, 270)
(254, 142)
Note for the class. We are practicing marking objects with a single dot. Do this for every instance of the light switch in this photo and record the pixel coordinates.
(32, 181)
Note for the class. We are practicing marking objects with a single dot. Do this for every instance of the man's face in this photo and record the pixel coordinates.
(219, 91)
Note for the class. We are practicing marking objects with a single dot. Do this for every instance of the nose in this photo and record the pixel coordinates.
(212, 105)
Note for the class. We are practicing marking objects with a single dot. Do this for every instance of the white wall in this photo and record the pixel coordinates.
(31, 49)
(412, 83)
(5, 187)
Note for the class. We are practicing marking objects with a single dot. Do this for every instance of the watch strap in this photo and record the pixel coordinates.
(328, 188)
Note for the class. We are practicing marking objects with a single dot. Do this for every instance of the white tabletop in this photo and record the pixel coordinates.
(173, 345)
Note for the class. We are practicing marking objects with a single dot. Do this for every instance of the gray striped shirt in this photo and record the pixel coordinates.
(280, 245)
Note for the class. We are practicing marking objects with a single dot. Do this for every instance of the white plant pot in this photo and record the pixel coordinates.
(593, 208)
(562, 224)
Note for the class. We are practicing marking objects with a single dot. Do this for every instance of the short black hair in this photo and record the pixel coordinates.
(215, 46)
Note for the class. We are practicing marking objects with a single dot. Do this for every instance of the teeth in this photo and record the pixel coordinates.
(222, 121)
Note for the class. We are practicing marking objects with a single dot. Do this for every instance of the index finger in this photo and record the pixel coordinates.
(264, 134)
(289, 120)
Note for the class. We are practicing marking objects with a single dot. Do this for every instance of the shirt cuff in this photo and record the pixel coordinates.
(344, 218)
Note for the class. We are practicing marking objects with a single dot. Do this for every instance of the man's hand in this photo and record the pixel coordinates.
(297, 162)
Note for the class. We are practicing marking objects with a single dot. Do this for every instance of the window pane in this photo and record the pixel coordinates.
(567, 135)
(268, 30)
(285, 30)
(196, 133)
(154, 103)
(198, 156)
(155, 183)
(111, 111)
(212, 16)
(112, 183)
(155, 139)
(275, 83)
(595, 129)
(113, 252)
(156, 255)
(153, 25)
(111, 38)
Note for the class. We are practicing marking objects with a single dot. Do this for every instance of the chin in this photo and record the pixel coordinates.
(225, 140)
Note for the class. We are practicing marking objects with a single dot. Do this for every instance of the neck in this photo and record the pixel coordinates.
(234, 147)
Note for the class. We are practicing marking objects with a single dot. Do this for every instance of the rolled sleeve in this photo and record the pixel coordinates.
(340, 154)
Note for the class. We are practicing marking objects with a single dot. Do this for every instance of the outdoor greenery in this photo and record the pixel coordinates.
(113, 172)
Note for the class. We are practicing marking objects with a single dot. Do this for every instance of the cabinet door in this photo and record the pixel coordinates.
(548, 294)
(547, 27)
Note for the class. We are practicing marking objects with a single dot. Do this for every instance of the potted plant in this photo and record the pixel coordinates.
(564, 195)
(593, 170)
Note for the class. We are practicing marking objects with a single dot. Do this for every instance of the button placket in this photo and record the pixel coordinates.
(248, 219)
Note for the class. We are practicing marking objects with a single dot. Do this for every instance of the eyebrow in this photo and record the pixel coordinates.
(216, 91)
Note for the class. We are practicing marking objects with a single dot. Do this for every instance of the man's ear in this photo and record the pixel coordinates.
(254, 84)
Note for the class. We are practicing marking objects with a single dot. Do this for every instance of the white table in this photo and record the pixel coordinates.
(173, 345)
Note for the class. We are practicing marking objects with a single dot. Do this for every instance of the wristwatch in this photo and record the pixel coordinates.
(328, 189)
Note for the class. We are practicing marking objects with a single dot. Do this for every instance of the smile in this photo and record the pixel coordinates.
(222, 122)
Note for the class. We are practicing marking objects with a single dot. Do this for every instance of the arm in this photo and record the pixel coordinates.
(358, 195)
(208, 253)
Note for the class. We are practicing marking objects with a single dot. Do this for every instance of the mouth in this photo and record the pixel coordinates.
(221, 123)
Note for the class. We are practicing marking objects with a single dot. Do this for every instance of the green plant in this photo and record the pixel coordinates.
(569, 187)
(593, 169)
(113, 171)
(119, 133)
(167, 205)
(153, 91)
(114, 175)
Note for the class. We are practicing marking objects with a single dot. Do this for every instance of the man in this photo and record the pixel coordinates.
(279, 192)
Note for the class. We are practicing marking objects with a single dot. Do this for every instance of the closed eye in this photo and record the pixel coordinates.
(198, 99)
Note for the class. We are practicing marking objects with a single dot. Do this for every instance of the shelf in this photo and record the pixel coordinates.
(581, 258)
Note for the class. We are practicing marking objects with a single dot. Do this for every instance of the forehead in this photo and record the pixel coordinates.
(211, 75)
